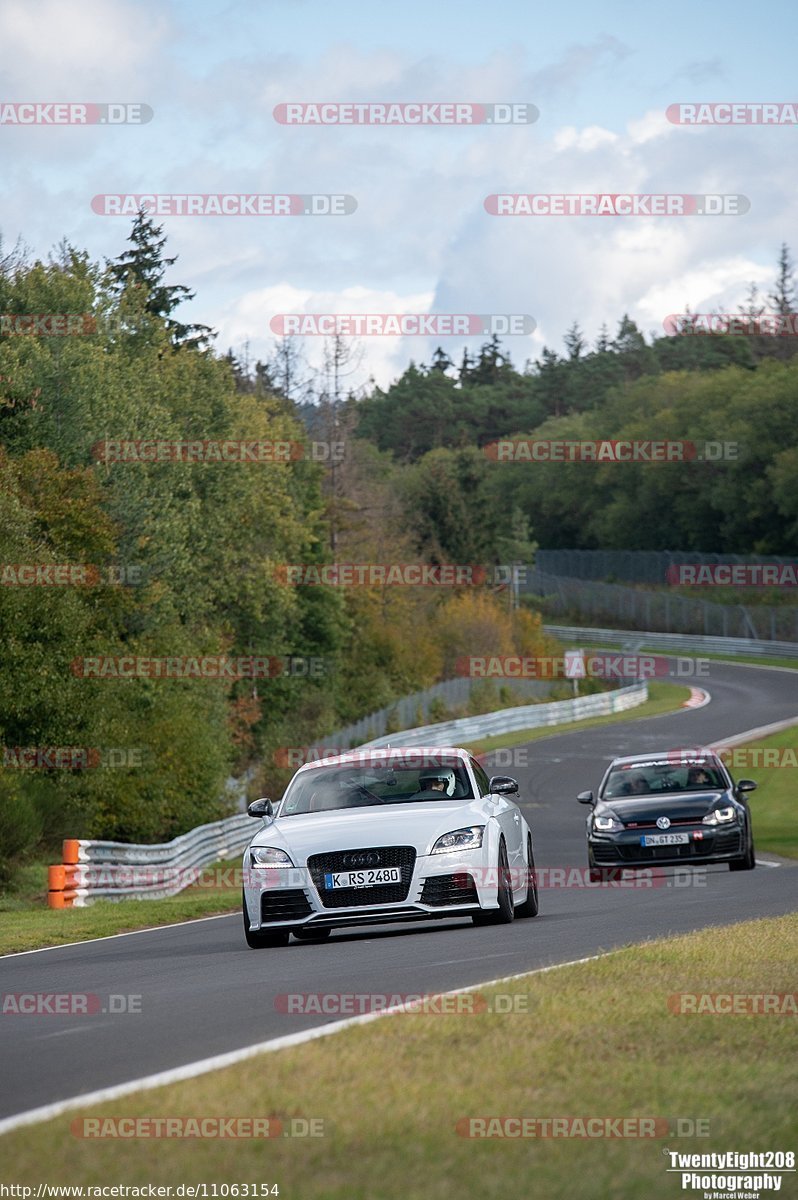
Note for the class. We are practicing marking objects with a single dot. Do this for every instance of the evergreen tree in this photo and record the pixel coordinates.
(143, 267)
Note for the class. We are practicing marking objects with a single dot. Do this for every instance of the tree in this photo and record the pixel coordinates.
(575, 342)
(144, 266)
(782, 298)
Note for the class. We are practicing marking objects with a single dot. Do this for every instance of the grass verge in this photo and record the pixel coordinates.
(597, 1039)
(662, 698)
(773, 804)
(28, 924)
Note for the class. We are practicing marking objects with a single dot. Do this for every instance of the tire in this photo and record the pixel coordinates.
(531, 906)
(505, 913)
(312, 935)
(262, 941)
(748, 860)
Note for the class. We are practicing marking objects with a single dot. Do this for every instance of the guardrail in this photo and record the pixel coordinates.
(675, 643)
(407, 710)
(507, 720)
(94, 870)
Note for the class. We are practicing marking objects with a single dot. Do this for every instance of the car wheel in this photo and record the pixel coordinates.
(530, 907)
(748, 860)
(262, 941)
(504, 914)
(312, 935)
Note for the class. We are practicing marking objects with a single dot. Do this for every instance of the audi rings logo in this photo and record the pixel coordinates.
(369, 858)
(663, 823)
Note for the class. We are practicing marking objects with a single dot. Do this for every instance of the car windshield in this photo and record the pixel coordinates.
(656, 776)
(370, 784)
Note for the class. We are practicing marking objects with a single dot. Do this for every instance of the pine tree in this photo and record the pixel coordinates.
(441, 361)
(575, 342)
(782, 298)
(144, 267)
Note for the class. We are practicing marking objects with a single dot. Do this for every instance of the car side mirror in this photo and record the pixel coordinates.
(585, 798)
(503, 785)
(746, 785)
(260, 808)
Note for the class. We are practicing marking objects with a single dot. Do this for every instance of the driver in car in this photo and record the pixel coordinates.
(442, 780)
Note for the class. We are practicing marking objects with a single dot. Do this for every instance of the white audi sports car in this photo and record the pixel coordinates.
(375, 836)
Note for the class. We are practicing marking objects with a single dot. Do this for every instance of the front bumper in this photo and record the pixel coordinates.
(706, 844)
(437, 886)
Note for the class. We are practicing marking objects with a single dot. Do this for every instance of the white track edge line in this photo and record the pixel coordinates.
(107, 937)
(217, 1062)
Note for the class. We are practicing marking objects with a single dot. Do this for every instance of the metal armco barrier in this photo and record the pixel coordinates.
(506, 720)
(675, 643)
(93, 870)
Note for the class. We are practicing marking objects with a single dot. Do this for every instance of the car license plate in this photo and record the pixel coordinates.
(358, 879)
(664, 839)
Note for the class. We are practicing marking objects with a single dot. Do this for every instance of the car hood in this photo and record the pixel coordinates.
(417, 825)
(676, 805)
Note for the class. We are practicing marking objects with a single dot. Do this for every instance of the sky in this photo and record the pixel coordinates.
(420, 239)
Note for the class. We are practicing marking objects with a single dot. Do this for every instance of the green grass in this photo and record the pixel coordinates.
(597, 1040)
(662, 698)
(33, 924)
(773, 805)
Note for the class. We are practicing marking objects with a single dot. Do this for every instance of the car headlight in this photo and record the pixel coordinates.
(604, 824)
(268, 856)
(720, 816)
(469, 838)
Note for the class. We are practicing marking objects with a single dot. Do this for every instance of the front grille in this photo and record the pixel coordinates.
(284, 904)
(652, 853)
(385, 893)
(443, 890)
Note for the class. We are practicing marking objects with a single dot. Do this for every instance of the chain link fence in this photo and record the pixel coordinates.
(574, 599)
(633, 566)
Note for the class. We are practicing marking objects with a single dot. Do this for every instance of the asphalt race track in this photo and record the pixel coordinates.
(203, 992)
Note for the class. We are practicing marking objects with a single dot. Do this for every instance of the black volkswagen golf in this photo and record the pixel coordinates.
(680, 807)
